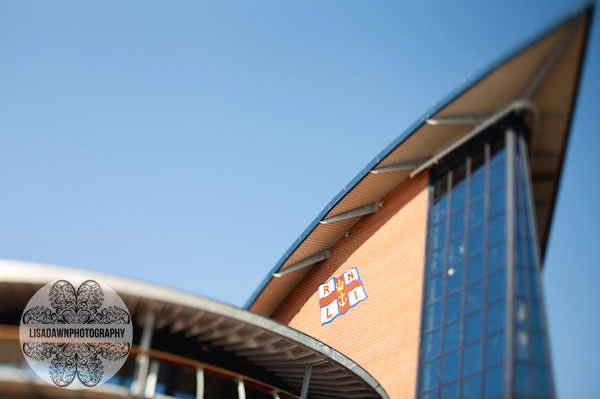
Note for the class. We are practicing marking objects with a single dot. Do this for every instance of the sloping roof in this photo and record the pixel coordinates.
(211, 332)
(540, 78)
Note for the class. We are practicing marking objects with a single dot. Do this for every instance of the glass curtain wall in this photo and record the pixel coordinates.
(481, 269)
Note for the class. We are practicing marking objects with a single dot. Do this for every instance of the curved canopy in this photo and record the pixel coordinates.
(539, 79)
(209, 331)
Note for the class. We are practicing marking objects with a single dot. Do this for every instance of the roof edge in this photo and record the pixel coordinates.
(467, 83)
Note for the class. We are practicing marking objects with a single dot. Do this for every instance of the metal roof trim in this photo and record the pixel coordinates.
(13, 271)
(467, 83)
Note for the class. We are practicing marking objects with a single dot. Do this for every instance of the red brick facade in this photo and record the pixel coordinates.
(381, 334)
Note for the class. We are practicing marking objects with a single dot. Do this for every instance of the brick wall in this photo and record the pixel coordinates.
(381, 334)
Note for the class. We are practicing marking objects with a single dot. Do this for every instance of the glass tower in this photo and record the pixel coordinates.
(483, 330)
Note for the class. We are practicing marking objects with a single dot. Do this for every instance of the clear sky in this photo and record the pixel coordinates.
(189, 143)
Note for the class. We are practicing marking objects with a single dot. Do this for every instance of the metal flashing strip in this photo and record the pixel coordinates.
(518, 105)
(400, 166)
(352, 213)
(311, 260)
(456, 120)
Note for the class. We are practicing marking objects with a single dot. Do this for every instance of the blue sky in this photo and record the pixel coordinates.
(189, 143)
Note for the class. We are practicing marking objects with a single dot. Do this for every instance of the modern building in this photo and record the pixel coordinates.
(421, 279)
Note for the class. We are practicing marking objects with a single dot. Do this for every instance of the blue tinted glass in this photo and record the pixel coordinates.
(436, 261)
(541, 383)
(430, 395)
(430, 376)
(474, 268)
(520, 282)
(521, 313)
(494, 318)
(432, 345)
(453, 307)
(472, 327)
(498, 155)
(522, 346)
(477, 184)
(440, 210)
(522, 380)
(496, 257)
(531, 280)
(438, 235)
(497, 201)
(536, 322)
(434, 316)
(539, 354)
(458, 197)
(454, 278)
(450, 391)
(451, 336)
(475, 240)
(472, 358)
(494, 349)
(495, 287)
(471, 387)
(457, 224)
(493, 383)
(456, 250)
(435, 288)
(496, 228)
(474, 297)
(475, 213)
(450, 367)
(497, 174)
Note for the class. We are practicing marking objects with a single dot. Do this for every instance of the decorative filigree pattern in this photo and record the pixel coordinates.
(81, 306)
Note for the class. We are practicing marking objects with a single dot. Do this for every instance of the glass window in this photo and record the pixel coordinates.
(536, 322)
(438, 235)
(539, 354)
(494, 318)
(473, 327)
(434, 316)
(472, 358)
(493, 383)
(541, 383)
(497, 201)
(474, 268)
(497, 175)
(495, 287)
(477, 184)
(450, 367)
(522, 346)
(435, 288)
(450, 391)
(452, 336)
(430, 395)
(454, 278)
(475, 240)
(496, 228)
(494, 349)
(474, 297)
(453, 307)
(522, 380)
(431, 374)
(521, 314)
(458, 197)
(457, 224)
(436, 261)
(471, 387)
(440, 209)
(496, 257)
(456, 250)
(432, 345)
(475, 213)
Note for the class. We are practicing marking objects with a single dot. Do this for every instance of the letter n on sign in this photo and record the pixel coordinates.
(339, 294)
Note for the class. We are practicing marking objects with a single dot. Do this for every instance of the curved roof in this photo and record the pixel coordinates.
(210, 331)
(540, 77)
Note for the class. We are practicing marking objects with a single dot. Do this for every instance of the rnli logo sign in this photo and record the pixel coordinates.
(340, 294)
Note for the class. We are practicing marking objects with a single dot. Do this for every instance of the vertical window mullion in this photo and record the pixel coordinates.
(510, 142)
